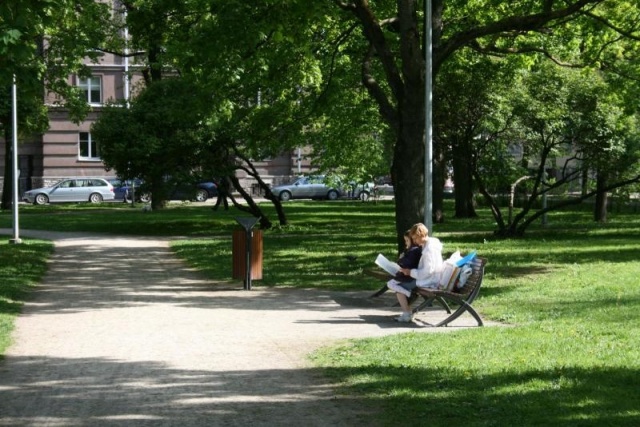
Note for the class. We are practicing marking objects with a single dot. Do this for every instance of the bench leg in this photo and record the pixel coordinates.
(428, 302)
(380, 291)
(464, 306)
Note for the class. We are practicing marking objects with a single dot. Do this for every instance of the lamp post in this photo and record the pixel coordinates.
(428, 125)
(14, 153)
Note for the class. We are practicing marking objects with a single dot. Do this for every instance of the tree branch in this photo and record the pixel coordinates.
(387, 110)
(374, 34)
(493, 49)
(575, 201)
(341, 38)
(615, 28)
(511, 24)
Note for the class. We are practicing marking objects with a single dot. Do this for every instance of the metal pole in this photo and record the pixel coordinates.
(127, 90)
(248, 243)
(428, 155)
(14, 154)
(127, 96)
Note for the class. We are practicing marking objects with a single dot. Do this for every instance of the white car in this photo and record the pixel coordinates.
(306, 187)
(94, 190)
(318, 187)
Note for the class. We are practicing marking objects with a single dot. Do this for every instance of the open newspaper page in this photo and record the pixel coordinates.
(388, 266)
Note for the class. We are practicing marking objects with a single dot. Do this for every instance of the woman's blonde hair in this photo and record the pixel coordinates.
(419, 230)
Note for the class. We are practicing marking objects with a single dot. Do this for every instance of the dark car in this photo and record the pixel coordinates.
(124, 189)
(199, 192)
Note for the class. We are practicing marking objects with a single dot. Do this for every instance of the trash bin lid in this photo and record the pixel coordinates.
(247, 222)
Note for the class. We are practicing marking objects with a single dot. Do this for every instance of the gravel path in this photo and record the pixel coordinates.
(122, 333)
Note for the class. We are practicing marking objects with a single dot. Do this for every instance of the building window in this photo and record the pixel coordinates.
(88, 148)
(92, 89)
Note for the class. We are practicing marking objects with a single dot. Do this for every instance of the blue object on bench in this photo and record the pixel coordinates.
(466, 260)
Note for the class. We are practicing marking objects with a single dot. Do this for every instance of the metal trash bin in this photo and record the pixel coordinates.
(247, 252)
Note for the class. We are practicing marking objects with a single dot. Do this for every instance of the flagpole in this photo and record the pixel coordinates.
(14, 153)
(428, 140)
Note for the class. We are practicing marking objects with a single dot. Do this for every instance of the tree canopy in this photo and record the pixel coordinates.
(601, 34)
(348, 77)
(41, 43)
(158, 138)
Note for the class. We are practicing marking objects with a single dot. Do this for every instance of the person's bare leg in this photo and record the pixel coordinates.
(404, 302)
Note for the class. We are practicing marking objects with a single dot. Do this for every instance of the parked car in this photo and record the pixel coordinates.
(199, 192)
(123, 189)
(361, 191)
(384, 186)
(94, 190)
(307, 187)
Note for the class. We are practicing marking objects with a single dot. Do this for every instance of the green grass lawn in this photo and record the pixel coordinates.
(21, 267)
(567, 295)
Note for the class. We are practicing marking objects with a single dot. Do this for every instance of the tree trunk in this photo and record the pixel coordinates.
(7, 187)
(158, 193)
(463, 184)
(409, 187)
(584, 187)
(602, 197)
(252, 208)
(493, 205)
(252, 172)
(439, 178)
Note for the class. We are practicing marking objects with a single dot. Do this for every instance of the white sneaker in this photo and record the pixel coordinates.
(405, 317)
(397, 288)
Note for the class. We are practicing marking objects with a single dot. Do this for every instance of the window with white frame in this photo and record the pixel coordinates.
(88, 149)
(91, 87)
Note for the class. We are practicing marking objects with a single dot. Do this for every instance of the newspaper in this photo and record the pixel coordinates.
(388, 266)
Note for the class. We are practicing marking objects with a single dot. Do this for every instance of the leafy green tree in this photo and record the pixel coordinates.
(561, 120)
(32, 117)
(393, 70)
(158, 137)
(609, 142)
(269, 68)
(468, 97)
(41, 43)
(263, 65)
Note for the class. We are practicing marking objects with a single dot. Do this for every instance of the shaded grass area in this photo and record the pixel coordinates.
(567, 295)
(21, 267)
(181, 219)
(494, 377)
(199, 220)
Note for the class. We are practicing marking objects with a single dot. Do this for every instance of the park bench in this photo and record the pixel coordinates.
(459, 299)
(455, 302)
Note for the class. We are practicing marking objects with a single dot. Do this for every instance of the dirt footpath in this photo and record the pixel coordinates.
(122, 333)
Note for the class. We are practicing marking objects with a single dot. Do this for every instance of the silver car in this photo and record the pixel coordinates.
(306, 187)
(94, 190)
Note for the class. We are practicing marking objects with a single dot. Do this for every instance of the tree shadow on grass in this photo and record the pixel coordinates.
(103, 392)
(562, 396)
(527, 263)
